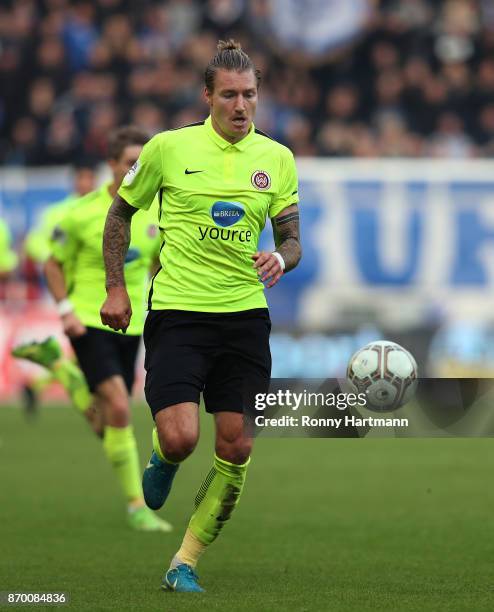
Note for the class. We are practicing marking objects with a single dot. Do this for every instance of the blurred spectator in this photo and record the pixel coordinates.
(359, 78)
(307, 31)
(149, 116)
(394, 140)
(485, 131)
(62, 139)
(298, 136)
(223, 15)
(184, 17)
(154, 35)
(79, 33)
(103, 119)
(50, 62)
(41, 101)
(449, 139)
(24, 147)
(335, 139)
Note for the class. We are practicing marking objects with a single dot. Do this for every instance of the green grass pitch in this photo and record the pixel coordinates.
(379, 524)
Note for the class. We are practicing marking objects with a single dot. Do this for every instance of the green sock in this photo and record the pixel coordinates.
(217, 498)
(39, 384)
(72, 379)
(121, 449)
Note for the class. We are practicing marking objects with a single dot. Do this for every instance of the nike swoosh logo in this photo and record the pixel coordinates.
(187, 171)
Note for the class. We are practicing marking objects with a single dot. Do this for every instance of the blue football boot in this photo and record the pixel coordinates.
(181, 579)
(157, 481)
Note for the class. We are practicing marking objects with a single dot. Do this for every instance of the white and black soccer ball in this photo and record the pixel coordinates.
(385, 372)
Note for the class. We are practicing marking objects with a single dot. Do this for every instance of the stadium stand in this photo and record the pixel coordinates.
(377, 79)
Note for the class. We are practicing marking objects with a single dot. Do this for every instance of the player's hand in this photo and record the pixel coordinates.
(268, 267)
(116, 310)
(72, 326)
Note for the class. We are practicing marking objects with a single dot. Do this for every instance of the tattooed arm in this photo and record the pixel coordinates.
(287, 239)
(116, 311)
(287, 236)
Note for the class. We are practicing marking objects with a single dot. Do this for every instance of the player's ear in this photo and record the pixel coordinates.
(207, 95)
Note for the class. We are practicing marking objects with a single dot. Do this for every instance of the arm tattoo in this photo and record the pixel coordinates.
(287, 219)
(116, 240)
(287, 236)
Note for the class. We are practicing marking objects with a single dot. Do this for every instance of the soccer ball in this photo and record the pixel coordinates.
(385, 372)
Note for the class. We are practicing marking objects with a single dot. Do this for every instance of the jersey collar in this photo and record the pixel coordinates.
(241, 145)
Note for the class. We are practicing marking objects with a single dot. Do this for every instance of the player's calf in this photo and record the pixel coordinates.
(215, 501)
(113, 398)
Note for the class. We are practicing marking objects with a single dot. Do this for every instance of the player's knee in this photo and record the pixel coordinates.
(235, 451)
(177, 445)
(118, 412)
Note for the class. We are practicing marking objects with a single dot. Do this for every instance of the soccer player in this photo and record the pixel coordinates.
(48, 353)
(107, 358)
(208, 325)
(37, 242)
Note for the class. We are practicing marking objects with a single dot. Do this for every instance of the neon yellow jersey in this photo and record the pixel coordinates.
(37, 242)
(78, 238)
(214, 201)
(8, 257)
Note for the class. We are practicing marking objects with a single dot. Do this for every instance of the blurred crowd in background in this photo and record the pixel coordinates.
(402, 247)
(366, 78)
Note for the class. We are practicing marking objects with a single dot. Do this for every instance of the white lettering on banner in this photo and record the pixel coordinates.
(389, 241)
(402, 246)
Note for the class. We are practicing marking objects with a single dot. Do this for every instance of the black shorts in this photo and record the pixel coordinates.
(102, 354)
(224, 355)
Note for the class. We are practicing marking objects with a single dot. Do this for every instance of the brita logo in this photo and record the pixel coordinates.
(227, 213)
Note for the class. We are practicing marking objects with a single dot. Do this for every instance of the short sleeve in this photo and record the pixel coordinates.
(64, 238)
(144, 179)
(288, 190)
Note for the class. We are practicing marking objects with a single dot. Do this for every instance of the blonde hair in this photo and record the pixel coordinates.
(229, 56)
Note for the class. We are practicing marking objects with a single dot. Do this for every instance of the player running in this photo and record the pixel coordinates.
(208, 326)
(48, 353)
(37, 242)
(107, 358)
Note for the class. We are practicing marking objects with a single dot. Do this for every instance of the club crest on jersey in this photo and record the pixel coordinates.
(225, 214)
(260, 179)
(131, 174)
(152, 231)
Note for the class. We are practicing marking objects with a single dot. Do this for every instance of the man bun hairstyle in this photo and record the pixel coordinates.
(229, 56)
(123, 137)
